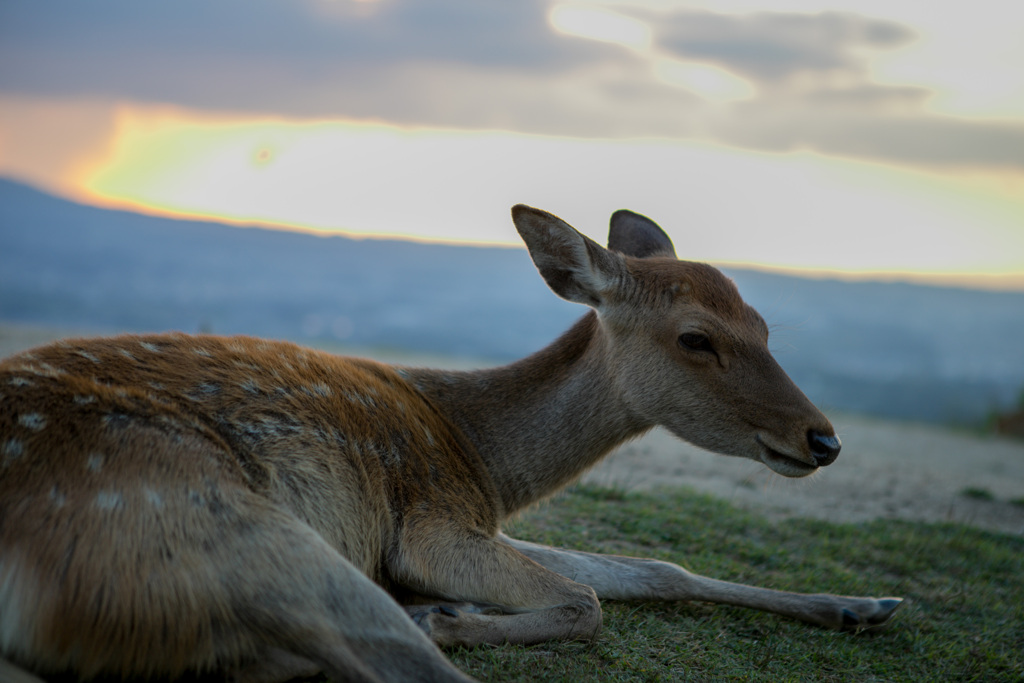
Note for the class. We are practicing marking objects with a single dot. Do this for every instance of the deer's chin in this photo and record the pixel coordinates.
(784, 464)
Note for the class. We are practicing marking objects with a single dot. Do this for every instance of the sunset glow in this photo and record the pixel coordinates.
(863, 139)
(373, 179)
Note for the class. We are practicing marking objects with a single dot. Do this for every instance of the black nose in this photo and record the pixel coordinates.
(825, 449)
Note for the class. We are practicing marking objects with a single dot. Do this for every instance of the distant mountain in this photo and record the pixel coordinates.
(68, 264)
(897, 350)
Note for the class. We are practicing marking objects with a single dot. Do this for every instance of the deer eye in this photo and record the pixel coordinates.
(694, 341)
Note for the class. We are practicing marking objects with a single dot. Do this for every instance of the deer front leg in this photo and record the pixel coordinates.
(628, 578)
(511, 598)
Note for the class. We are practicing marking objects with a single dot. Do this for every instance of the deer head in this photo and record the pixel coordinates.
(683, 348)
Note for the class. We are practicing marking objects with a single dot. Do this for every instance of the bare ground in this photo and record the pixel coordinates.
(887, 470)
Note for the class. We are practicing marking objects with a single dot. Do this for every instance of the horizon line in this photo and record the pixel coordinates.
(978, 281)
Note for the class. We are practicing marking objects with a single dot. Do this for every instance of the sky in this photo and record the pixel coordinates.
(859, 139)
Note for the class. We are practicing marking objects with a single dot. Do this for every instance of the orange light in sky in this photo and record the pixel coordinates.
(795, 211)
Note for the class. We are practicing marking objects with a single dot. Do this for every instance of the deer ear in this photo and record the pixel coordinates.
(575, 267)
(635, 235)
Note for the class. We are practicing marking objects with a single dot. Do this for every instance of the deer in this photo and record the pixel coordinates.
(252, 509)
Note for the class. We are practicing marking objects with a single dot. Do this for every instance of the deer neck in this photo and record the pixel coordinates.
(540, 422)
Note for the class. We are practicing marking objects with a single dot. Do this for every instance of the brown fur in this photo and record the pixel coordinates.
(174, 503)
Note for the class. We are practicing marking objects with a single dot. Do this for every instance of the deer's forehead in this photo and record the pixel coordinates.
(696, 283)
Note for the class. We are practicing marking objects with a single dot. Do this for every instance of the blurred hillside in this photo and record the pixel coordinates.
(889, 349)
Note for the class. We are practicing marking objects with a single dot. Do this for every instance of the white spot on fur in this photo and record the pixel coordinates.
(318, 389)
(153, 498)
(42, 370)
(250, 386)
(199, 351)
(115, 420)
(33, 421)
(57, 498)
(88, 356)
(365, 401)
(84, 400)
(20, 382)
(12, 449)
(127, 354)
(150, 346)
(203, 390)
(94, 463)
(391, 456)
(47, 370)
(430, 437)
(109, 500)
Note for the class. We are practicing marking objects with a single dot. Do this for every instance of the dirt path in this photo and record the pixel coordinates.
(887, 470)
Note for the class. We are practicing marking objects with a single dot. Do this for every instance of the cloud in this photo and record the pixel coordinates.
(815, 90)
(818, 62)
(295, 57)
(769, 47)
(468, 64)
(921, 141)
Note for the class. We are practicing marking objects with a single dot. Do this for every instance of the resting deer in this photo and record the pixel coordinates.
(255, 509)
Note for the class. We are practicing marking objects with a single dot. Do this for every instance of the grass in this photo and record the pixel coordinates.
(963, 619)
(977, 493)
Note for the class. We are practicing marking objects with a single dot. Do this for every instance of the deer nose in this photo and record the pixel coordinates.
(824, 448)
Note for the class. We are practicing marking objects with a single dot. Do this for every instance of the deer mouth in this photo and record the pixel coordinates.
(783, 464)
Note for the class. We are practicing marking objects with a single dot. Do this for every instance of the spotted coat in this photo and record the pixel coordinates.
(174, 437)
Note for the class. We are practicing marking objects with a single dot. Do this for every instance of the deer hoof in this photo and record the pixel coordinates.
(871, 618)
(886, 608)
(421, 614)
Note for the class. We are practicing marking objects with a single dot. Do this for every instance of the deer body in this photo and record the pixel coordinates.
(173, 503)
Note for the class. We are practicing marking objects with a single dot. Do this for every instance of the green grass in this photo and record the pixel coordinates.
(977, 493)
(963, 619)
